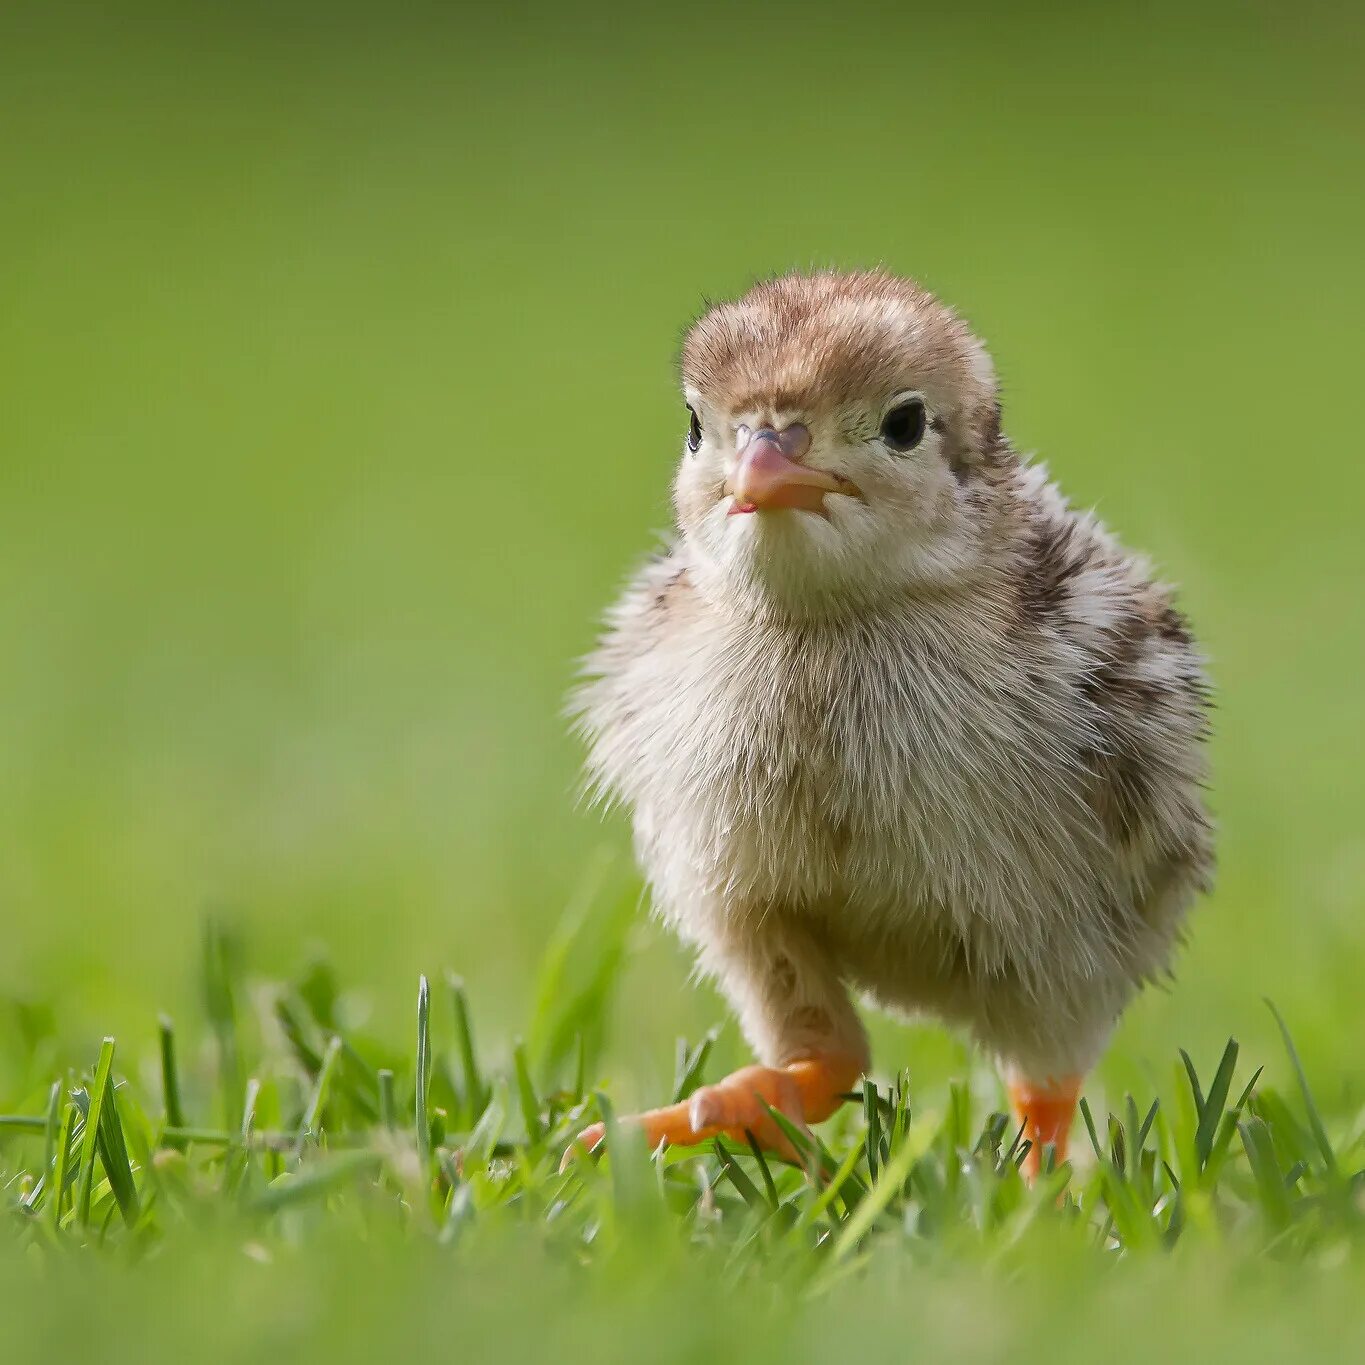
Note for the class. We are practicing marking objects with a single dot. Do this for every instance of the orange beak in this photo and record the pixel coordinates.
(768, 474)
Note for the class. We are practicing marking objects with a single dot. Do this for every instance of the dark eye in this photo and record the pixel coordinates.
(903, 426)
(693, 429)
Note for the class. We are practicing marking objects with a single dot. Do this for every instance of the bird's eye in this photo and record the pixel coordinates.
(903, 426)
(693, 429)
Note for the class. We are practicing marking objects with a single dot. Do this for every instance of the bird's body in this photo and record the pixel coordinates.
(912, 727)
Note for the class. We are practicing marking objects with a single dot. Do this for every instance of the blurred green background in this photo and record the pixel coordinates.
(337, 398)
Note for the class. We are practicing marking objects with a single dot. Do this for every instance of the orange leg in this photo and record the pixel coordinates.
(805, 1091)
(1046, 1109)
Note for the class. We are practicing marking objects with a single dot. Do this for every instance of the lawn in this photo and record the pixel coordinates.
(336, 377)
(326, 1182)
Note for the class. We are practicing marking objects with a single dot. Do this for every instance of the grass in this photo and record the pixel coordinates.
(294, 1132)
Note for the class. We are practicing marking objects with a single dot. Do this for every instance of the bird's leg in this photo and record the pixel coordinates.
(1045, 1108)
(797, 1015)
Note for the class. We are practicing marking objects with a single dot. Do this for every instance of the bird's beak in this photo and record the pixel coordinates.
(768, 474)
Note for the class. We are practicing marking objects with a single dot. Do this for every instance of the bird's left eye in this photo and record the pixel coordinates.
(903, 426)
(693, 429)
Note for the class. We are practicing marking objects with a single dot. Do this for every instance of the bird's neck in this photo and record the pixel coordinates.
(971, 611)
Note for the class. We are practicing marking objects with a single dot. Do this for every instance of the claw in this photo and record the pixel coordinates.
(589, 1140)
(704, 1110)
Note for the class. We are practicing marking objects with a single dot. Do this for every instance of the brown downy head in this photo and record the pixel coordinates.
(843, 444)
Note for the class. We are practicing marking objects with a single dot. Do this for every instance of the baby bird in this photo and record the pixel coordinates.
(892, 718)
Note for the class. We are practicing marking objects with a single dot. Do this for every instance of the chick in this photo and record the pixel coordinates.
(891, 718)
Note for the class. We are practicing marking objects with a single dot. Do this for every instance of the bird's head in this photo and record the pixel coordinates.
(843, 444)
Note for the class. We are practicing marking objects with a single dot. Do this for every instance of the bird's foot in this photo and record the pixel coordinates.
(1046, 1109)
(803, 1092)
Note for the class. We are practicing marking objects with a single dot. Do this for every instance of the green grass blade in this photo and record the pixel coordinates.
(803, 1142)
(1145, 1128)
(51, 1125)
(249, 1102)
(1291, 1137)
(1315, 1124)
(734, 1172)
(311, 1123)
(770, 1188)
(300, 1032)
(114, 1156)
(1192, 1076)
(388, 1109)
(422, 1117)
(1084, 1106)
(221, 1007)
(832, 1190)
(359, 1082)
(471, 1077)
(692, 1066)
(526, 1094)
(170, 1081)
(1212, 1113)
(487, 1133)
(1228, 1129)
(85, 1181)
(1270, 1181)
(901, 1121)
(23, 1123)
(872, 1116)
(61, 1164)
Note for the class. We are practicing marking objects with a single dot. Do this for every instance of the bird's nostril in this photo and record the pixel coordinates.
(794, 441)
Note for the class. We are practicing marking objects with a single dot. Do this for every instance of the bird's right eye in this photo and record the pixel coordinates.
(903, 426)
(693, 430)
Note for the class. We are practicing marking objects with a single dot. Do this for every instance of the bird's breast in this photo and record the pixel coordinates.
(785, 769)
(809, 773)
